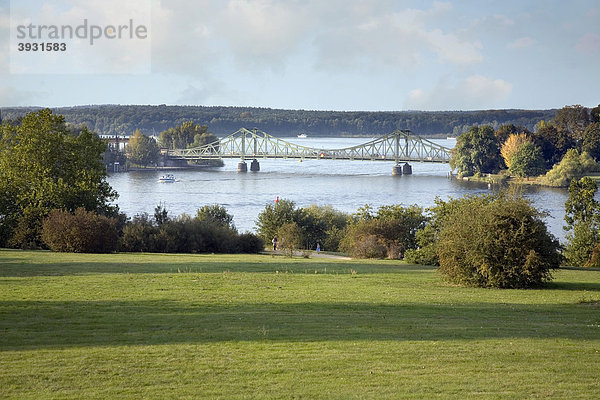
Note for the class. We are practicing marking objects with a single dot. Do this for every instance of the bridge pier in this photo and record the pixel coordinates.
(242, 166)
(255, 165)
(397, 170)
(407, 169)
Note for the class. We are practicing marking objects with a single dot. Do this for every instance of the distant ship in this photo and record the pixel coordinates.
(450, 138)
(302, 136)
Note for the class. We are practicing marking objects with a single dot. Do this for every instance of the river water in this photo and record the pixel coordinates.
(345, 185)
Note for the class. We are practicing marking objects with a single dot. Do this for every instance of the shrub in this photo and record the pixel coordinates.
(290, 237)
(80, 232)
(573, 165)
(211, 231)
(389, 233)
(249, 243)
(425, 253)
(496, 241)
(138, 235)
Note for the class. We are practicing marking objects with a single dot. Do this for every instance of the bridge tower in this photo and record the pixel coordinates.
(255, 165)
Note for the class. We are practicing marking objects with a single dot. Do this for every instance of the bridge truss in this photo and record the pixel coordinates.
(399, 146)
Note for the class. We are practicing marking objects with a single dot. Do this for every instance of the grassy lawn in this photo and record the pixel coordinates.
(231, 327)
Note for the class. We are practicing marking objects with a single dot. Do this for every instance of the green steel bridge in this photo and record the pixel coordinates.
(400, 146)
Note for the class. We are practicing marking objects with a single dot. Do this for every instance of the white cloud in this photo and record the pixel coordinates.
(522, 43)
(474, 92)
(393, 39)
(181, 35)
(123, 53)
(263, 31)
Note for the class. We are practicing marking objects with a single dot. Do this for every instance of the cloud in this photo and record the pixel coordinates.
(589, 43)
(391, 38)
(123, 52)
(522, 43)
(209, 92)
(181, 37)
(264, 31)
(474, 92)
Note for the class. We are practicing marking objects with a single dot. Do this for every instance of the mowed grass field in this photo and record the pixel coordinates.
(146, 326)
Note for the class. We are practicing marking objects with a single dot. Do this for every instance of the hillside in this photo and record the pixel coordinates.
(124, 119)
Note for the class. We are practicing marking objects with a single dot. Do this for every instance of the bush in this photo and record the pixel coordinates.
(425, 253)
(211, 231)
(80, 232)
(249, 243)
(389, 233)
(496, 241)
(573, 165)
(290, 237)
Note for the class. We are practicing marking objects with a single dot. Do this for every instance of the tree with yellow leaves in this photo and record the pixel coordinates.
(512, 145)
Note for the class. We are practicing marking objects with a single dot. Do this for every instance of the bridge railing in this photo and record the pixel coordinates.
(397, 146)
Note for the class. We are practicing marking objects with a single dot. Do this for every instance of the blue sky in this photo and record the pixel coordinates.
(326, 55)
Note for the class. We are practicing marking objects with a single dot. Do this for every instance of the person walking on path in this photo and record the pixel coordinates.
(274, 241)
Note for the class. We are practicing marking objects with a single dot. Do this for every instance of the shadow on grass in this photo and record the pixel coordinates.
(21, 269)
(30, 325)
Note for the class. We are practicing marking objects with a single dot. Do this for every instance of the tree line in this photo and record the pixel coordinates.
(556, 151)
(125, 119)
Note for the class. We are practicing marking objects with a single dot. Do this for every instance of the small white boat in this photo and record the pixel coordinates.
(302, 136)
(167, 178)
(450, 138)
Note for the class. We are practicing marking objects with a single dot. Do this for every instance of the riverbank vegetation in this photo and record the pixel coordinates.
(554, 153)
(78, 326)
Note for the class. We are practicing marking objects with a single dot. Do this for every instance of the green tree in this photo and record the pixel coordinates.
(527, 161)
(582, 215)
(591, 140)
(276, 215)
(595, 114)
(554, 143)
(44, 166)
(142, 150)
(215, 214)
(572, 119)
(476, 151)
(323, 225)
(200, 139)
(182, 136)
(506, 130)
(495, 241)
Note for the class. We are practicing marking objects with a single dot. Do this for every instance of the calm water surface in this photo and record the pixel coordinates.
(345, 185)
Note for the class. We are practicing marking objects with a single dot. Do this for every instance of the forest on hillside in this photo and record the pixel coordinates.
(151, 120)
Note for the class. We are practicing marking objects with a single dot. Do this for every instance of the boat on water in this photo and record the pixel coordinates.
(450, 138)
(167, 178)
(302, 136)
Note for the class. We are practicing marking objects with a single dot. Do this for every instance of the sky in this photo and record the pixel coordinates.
(371, 55)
